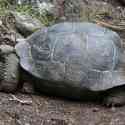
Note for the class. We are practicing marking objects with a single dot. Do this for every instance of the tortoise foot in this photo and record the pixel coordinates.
(115, 98)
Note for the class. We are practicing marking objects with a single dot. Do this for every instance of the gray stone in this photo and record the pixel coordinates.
(25, 24)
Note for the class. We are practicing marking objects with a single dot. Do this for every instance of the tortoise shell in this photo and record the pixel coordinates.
(81, 55)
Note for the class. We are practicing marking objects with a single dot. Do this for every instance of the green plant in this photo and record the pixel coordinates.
(46, 18)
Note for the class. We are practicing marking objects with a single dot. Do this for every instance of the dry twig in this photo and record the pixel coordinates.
(113, 27)
(14, 98)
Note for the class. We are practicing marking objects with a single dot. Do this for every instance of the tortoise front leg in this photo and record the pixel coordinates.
(9, 69)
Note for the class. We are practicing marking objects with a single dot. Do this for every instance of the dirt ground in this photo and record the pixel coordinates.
(22, 109)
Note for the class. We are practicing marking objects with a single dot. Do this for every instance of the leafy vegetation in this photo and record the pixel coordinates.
(45, 17)
(4, 6)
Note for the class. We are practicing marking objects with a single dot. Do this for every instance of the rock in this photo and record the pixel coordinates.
(25, 24)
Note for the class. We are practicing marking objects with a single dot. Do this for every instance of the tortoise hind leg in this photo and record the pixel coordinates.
(115, 97)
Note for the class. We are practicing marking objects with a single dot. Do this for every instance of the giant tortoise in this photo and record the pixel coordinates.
(74, 60)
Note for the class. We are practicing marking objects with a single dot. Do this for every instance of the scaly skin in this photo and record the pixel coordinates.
(9, 69)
